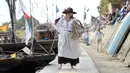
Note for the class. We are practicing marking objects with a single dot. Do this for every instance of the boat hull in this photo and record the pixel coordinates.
(13, 47)
(25, 65)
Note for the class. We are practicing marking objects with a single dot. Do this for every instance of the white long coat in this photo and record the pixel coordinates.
(67, 47)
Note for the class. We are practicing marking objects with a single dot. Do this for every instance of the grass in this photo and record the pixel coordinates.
(20, 33)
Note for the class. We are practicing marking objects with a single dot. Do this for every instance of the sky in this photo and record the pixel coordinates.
(4, 12)
(78, 6)
(39, 10)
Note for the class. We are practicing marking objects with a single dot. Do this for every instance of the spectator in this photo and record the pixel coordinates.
(99, 36)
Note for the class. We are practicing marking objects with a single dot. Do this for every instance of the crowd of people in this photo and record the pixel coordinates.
(117, 13)
(68, 27)
(98, 23)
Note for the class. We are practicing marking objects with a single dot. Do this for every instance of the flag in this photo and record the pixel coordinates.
(13, 55)
(19, 12)
(85, 12)
(25, 7)
(26, 15)
(87, 9)
(57, 9)
(27, 50)
(84, 15)
(4, 28)
(27, 32)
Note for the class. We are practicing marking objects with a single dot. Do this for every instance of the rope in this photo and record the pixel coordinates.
(51, 48)
(77, 29)
(43, 48)
(39, 10)
(68, 35)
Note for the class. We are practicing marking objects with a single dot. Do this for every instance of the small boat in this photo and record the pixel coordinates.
(44, 51)
(17, 57)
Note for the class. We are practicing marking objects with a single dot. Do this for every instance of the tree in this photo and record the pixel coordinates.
(116, 1)
(104, 5)
(21, 22)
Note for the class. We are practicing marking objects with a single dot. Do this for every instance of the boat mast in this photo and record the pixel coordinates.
(52, 12)
(47, 10)
(32, 22)
(56, 8)
(11, 5)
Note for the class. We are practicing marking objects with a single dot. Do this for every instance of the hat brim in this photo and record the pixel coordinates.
(65, 12)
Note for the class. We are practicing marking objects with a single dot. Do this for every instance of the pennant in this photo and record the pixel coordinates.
(19, 12)
(57, 9)
(26, 15)
(13, 55)
(87, 9)
(25, 6)
(84, 15)
(4, 27)
(27, 50)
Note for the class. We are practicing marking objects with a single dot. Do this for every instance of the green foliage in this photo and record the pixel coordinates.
(115, 1)
(104, 5)
(21, 22)
(20, 33)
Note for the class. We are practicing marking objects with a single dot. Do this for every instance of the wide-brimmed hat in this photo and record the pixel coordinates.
(69, 10)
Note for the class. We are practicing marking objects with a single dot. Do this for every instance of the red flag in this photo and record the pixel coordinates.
(25, 6)
(26, 15)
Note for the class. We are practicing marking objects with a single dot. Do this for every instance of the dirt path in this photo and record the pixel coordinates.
(103, 62)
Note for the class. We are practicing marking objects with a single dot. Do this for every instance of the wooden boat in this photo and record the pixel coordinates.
(23, 62)
(28, 64)
(13, 59)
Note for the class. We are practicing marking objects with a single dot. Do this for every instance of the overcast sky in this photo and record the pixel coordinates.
(78, 6)
(39, 11)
